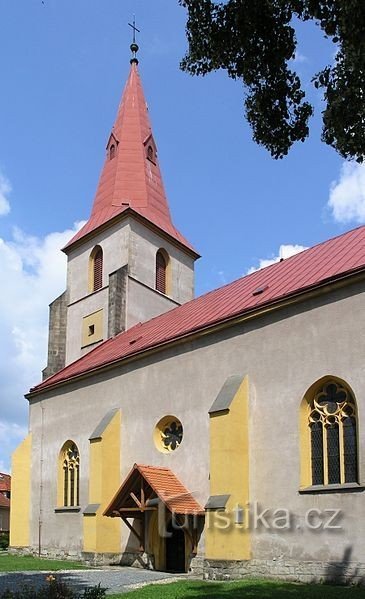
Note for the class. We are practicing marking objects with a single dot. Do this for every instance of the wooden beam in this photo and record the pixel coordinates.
(133, 530)
(136, 500)
(143, 532)
(136, 510)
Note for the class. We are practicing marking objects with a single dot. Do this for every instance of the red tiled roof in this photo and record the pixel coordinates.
(4, 501)
(165, 485)
(130, 180)
(322, 263)
(5, 482)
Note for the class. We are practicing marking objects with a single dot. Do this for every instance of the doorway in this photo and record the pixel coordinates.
(175, 549)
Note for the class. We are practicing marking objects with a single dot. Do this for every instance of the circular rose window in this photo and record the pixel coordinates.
(168, 434)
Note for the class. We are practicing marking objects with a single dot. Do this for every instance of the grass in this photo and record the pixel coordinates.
(14, 563)
(248, 589)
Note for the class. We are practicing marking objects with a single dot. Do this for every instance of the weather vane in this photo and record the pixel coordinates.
(134, 45)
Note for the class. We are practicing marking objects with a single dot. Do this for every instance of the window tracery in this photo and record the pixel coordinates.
(71, 475)
(333, 432)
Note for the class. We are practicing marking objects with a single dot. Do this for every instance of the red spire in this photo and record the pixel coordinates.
(131, 178)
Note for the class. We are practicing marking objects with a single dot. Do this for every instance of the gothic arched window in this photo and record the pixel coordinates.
(332, 423)
(70, 474)
(161, 271)
(112, 152)
(96, 269)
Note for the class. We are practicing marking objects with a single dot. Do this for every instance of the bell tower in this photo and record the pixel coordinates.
(128, 263)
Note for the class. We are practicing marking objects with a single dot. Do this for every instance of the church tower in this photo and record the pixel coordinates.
(128, 263)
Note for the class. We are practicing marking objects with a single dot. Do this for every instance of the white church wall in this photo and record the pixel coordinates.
(114, 242)
(126, 243)
(76, 313)
(144, 245)
(283, 353)
(145, 303)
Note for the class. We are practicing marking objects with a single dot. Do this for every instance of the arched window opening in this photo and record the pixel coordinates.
(97, 269)
(150, 153)
(112, 152)
(70, 463)
(161, 270)
(333, 435)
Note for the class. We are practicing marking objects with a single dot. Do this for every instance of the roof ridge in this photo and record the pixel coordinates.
(326, 261)
(246, 276)
(307, 249)
(150, 467)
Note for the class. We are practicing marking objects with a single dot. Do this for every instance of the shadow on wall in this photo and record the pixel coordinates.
(132, 555)
(344, 572)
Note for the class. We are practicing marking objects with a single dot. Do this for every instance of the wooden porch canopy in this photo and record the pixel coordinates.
(141, 492)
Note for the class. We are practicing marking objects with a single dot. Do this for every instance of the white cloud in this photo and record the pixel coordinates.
(347, 195)
(5, 189)
(285, 251)
(34, 273)
(11, 434)
(299, 58)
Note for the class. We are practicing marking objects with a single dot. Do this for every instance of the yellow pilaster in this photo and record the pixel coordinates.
(20, 494)
(305, 448)
(102, 534)
(227, 534)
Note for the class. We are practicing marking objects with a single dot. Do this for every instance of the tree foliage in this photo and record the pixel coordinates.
(255, 40)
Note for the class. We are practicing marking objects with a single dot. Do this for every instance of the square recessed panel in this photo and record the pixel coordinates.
(92, 328)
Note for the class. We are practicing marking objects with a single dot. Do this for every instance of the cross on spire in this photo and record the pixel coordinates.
(134, 45)
(133, 25)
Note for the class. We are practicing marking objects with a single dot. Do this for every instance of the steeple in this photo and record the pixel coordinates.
(131, 180)
(128, 263)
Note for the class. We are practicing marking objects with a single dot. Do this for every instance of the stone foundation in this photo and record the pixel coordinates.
(350, 573)
(289, 570)
(47, 553)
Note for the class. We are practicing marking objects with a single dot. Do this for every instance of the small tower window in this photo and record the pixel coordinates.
(150, 153)
(96, 269)
(161, 271)
(112, 152)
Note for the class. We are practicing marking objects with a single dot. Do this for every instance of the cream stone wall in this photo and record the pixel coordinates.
(283, 353)
(77, 312)
(125, 243)
(145, 303)
(114, 242)
(144, 244)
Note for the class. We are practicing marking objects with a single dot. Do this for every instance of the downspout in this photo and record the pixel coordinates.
(40, 517)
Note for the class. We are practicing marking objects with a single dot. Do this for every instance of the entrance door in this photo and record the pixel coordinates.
(175, 549)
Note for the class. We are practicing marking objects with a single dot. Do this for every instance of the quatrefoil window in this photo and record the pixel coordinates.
(172, 436)
(168, 434)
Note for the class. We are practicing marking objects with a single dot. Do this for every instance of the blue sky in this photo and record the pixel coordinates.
(63, 66)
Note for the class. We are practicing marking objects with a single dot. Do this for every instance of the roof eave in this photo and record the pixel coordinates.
(121, 216)
(211, 327)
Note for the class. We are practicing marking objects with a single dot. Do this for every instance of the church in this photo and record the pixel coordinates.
(221, 435)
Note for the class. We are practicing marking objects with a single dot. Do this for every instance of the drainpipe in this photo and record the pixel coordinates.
(40, 517)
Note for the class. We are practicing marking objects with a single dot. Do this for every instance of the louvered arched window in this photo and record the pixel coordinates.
(161, 271)
(96, 269)
(70, 475)
(332, 427)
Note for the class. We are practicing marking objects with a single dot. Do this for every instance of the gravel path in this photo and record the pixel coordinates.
(116, 580)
